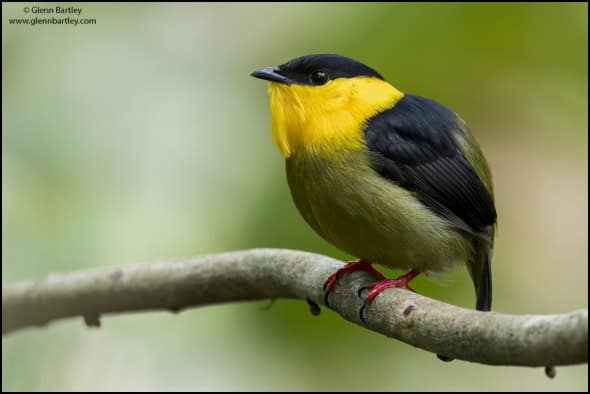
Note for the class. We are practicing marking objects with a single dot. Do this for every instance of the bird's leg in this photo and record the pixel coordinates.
(358, 265)
(376, 288)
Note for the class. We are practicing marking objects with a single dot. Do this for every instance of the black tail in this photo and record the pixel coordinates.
(481, 273)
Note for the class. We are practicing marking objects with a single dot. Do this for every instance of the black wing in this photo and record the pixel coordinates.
(416, 149)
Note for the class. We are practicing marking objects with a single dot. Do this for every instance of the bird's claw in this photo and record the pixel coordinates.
(329, 285)
(360, 290)
(334, 278)
(377, 288)
(326, 295)
(361, 310)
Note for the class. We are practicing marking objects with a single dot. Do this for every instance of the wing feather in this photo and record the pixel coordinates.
(415, 147)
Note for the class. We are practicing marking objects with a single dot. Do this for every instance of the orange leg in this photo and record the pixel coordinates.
(401, 282)
(358, 265)
(376, 288)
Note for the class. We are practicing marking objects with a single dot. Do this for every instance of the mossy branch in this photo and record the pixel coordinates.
(487, 338)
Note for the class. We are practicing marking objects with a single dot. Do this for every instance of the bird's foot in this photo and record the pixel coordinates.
(376, 288)
(333, 279)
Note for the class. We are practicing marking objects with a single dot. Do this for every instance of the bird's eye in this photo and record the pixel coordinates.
(319, 77)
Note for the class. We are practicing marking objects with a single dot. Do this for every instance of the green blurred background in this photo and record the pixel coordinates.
(143, 138)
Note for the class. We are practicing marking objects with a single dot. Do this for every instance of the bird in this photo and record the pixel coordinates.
(391, 178)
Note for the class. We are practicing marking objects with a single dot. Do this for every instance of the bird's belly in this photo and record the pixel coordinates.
(352, 207)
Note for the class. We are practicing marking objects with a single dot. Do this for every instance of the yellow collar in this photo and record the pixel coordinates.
(327, 120)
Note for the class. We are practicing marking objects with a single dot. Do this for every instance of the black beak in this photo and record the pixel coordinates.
(271, 74)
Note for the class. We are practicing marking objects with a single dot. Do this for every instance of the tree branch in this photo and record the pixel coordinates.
(488, 338)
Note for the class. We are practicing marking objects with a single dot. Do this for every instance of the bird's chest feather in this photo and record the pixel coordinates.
(327, 192)
(352, 207)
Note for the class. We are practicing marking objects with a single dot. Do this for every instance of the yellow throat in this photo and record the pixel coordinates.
(326, 120)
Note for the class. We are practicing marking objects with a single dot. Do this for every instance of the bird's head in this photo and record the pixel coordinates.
(320, 102)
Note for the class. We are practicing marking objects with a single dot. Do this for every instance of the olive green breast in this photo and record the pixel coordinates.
(351, 206)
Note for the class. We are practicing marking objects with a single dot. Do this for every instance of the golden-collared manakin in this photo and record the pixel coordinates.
(389, 177)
